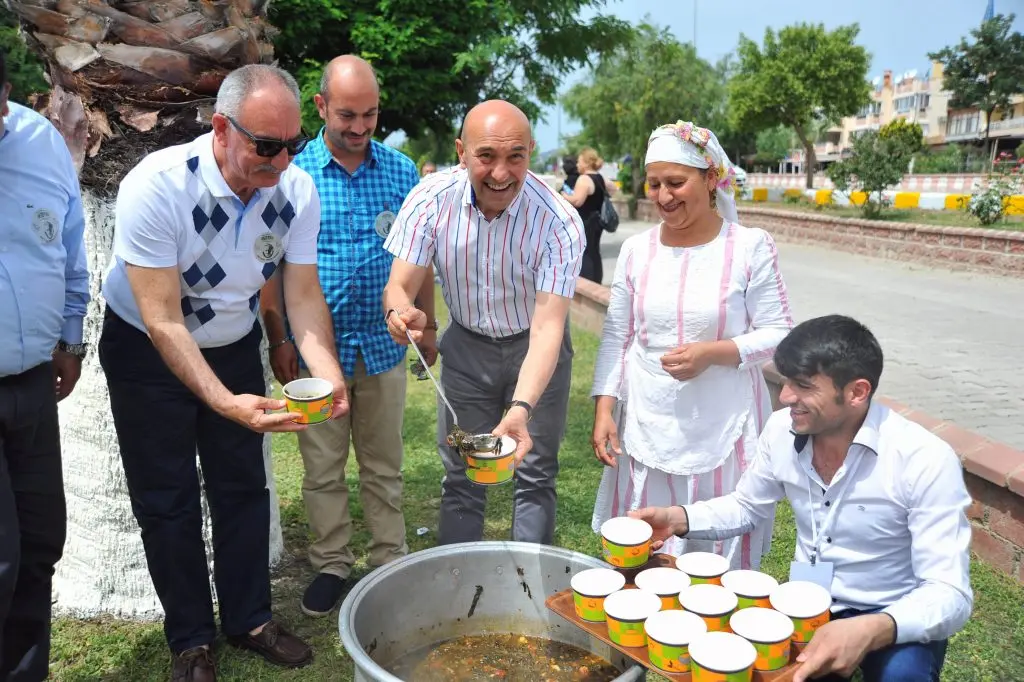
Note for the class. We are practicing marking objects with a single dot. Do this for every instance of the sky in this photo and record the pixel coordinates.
(898, 34)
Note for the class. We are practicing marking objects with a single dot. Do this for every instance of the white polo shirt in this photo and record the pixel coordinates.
(175, 210)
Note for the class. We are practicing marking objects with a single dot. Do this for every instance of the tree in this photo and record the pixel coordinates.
(24, 70)
(878, 161)
(773, 145)
(802, 75)
(651, 80)
(738, 143)
(437, 59)
(431, 146)
(986, 73)
(128, 77)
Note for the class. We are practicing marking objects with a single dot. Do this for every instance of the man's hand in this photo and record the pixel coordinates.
(605, 438)
(514, 426)
(284, 361)
(428, 346)
(251, 412)
(839, 646)
(665, 521)
(66, 370)
(340, 399)
(413, 319)
(687, 361)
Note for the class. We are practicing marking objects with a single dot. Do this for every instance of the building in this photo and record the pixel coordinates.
(920, 100)
(907, 96)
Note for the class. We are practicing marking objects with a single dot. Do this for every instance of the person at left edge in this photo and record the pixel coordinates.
(44, 291)
(200, 227)
(362, 183)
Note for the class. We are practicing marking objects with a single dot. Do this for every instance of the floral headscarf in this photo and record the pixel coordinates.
(684, 143)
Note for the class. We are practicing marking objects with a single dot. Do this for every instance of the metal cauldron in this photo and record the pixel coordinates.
(464, 589)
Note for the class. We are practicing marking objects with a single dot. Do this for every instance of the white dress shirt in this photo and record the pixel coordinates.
(900, 538)
(490, 271)
(175, 209)
(663, 297)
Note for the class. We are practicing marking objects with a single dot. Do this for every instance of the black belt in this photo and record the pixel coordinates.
(497, 339)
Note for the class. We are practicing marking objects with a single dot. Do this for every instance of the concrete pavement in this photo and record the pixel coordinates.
(951, 339)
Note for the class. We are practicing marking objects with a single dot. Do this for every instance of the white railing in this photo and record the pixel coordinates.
(1008, 124)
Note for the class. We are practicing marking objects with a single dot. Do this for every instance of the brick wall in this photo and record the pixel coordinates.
(962, 248)
(994, 472)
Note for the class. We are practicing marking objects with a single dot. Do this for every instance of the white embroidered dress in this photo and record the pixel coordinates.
(685, 441)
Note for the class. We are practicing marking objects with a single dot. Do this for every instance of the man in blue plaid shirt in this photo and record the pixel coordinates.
(362, 184)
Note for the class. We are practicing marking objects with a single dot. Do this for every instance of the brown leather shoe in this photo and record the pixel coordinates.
(277, 645)
(193, 665)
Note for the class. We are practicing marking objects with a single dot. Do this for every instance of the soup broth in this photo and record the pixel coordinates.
(508, 657)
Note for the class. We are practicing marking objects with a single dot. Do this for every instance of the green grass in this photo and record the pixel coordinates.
(991, 648)
(909, 215)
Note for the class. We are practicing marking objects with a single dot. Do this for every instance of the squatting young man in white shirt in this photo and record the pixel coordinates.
(879, 504)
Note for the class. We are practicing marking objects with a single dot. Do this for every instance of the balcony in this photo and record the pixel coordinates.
(1008, 127)
(963, 137)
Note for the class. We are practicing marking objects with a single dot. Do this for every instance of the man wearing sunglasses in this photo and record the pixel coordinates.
(200, 228)
(362, 183)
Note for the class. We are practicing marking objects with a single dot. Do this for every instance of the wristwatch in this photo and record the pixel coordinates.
(525, 405)
(79, 350)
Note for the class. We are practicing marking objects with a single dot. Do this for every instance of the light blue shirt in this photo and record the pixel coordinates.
(44, 278)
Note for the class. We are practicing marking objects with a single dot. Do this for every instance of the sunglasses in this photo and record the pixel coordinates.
(269, 147)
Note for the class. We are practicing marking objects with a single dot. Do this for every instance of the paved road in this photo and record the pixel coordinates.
(953, 341)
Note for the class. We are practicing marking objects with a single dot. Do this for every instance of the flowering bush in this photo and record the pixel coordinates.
(989, 203)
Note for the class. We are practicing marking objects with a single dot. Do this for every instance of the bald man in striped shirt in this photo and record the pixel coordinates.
(507, 251)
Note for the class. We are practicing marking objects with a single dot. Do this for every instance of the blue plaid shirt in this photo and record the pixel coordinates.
(354, 267)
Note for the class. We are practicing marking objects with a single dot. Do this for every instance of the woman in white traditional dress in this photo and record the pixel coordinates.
(697, 307)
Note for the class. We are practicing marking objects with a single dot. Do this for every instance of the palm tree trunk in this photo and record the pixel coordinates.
(128, 78)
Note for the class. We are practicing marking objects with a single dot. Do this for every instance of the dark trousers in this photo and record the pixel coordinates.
(33, 520)
(479, 376)
(160, 424)
(912, 662)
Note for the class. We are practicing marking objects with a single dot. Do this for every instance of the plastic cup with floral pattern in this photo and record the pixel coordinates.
(589, 589)
(713, 603)
(769, 631)
(806, 603)
(669, 634)
(721, 657)
(665, 582)
(703, 567)
(626, 541)
(626, 611)
(752, 587)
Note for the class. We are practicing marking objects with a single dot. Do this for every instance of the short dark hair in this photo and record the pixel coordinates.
(837, 346)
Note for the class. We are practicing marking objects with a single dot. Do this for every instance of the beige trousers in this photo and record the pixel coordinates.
(374, 426)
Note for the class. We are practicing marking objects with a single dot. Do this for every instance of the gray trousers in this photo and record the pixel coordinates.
(479, 376)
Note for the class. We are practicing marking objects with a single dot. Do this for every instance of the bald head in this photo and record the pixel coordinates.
(495, 115)
(348, 72)
(349, 103)
(495, 146)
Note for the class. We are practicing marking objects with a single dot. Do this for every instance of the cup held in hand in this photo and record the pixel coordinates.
(311, 398)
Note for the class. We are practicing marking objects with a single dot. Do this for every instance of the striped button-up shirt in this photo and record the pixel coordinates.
(491, 271)
(356, 212)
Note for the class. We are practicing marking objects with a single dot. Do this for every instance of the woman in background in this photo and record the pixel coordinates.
(587, 196)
